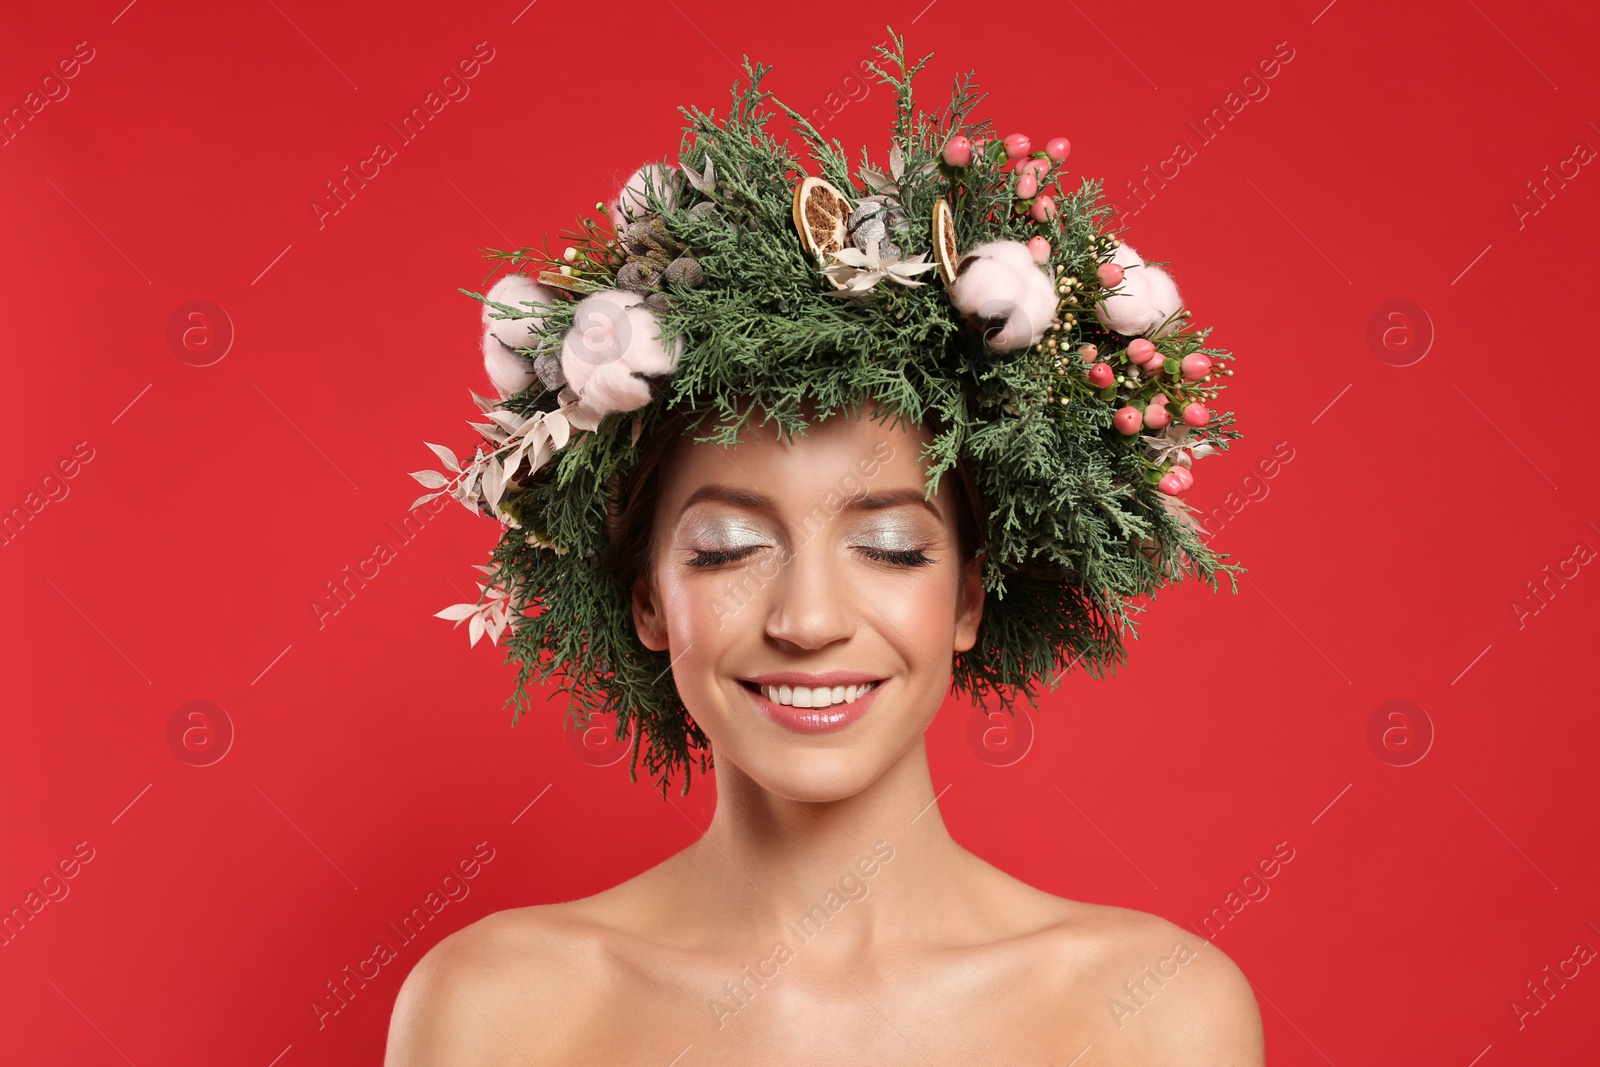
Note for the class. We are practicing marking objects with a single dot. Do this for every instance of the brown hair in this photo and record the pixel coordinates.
(630, 515)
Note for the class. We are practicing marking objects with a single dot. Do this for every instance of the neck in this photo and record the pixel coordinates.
(854, 873)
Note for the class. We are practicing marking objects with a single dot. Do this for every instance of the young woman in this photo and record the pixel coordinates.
(826, 916)
(800, 604)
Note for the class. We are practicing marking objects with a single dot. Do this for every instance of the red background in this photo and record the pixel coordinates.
(373, 752)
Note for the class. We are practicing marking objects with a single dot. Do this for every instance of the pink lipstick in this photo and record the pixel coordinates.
(835, 716)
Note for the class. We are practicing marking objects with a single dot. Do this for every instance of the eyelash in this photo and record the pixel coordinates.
(898, 557)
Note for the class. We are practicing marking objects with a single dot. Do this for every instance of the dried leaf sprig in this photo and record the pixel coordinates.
(534, 438)
(490, 616)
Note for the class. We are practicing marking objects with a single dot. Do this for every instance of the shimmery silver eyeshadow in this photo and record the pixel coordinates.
(724, 534)
(893, 535)
(728, 534)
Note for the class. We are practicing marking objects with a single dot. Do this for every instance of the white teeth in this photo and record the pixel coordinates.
(800, 696)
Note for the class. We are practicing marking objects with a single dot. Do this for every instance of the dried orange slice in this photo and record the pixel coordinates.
(822, 215)
(945, 251)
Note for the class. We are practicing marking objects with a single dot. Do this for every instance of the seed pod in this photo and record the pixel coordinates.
(637, 275)
(683, 271)
(547, 365)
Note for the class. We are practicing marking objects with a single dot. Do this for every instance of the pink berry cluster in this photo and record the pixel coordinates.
(1028, 174)
(1143, 362)
(1156, 413)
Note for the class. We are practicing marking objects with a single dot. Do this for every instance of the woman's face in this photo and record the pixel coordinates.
(809, 571)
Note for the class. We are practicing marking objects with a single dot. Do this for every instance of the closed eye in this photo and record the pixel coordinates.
(897, 557)
(717, 557)
(900, 557)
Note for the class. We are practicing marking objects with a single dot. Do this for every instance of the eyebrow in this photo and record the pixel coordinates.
(744, 498)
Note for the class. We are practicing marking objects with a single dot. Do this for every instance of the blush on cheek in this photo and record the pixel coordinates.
(921, 613)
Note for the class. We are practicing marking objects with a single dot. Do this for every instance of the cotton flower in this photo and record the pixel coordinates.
(1146, 298)
(630, 203)
(509, 372)
(860, 270)
(614, 342)
(999, 284)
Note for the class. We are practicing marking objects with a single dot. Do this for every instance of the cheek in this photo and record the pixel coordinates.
(918, 610)
(703, 611)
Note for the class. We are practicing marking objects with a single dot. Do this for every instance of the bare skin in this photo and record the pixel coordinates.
(826, 916)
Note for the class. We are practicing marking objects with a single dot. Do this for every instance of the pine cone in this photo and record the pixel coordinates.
(655, 259)
(683, 271)
(639, 276)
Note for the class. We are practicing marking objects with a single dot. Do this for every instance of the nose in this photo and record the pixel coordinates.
(811, 603)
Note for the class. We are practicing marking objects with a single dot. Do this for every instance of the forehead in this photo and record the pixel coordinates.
(843, 455)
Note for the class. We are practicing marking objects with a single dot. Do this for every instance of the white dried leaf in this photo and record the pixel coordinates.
(876, 179)
(431, 479)
(444, 454)
(703, 182)
(494, 483)
(499, 624)
(511, 422)
(421, 500)
(897, 161)
(580, 417)
(541, 456)
(559, 428)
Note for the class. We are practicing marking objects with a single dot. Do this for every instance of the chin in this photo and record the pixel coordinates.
(815, 776)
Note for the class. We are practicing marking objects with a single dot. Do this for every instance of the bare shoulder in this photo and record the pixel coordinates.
(1160, 993)
(500, 991)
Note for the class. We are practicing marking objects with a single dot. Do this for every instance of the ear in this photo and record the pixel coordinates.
(647, 616)
(969, 604)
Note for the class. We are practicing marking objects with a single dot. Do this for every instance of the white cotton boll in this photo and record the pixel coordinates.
(613, 339)
(515, 290)
(1164, 300)
(509, 372)
(998, 283)
(630, 203)
(1147, 297)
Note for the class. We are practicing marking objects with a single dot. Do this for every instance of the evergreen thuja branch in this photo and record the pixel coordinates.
(830, 155)
(905, 101)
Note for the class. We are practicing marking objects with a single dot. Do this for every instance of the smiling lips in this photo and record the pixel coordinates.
(813, 703)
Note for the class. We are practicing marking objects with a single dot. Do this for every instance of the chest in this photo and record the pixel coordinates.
(781, 1009)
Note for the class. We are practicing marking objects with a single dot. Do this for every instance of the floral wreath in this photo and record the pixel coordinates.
(965, 283)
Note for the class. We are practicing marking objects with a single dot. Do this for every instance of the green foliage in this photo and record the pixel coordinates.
(1077, 533)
